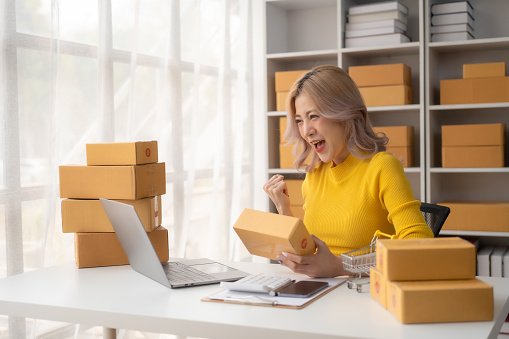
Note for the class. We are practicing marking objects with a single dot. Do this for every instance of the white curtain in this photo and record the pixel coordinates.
(75, 72)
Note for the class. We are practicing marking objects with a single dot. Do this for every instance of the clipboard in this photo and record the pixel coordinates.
(265, 300)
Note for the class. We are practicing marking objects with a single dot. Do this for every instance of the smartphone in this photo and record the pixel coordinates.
(303, 289)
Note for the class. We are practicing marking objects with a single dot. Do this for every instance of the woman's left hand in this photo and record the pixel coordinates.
(322, 264)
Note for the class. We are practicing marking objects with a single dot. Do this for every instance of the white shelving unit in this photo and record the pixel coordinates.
(302, 34)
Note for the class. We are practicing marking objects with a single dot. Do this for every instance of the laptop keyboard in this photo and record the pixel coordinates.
(178, 273)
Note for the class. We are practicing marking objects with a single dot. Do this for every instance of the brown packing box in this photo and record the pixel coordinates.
(286, 158)
(281, 101)
(295, 191)
(269, 234)
(112, 182)
(282, 129)
(492, 69)
(440, 301)
(297, 211)
(378, 286)
(88, 215)
(476, 156)
(381, 75)
(104, 249)
(474, 91)
(473, 135)
(404, 154)
(387, 95)
(122, 153)
(485, 216)
(426, 259)
(402, 136)
(285, 80)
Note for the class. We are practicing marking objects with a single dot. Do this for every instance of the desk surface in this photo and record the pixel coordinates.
(118, 297)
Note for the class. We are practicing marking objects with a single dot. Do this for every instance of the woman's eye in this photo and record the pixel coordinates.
(313, 116)
(298, 121)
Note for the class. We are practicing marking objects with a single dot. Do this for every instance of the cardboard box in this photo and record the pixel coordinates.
(381, 75)
(474, 91)
(378, 286)
(295, 191)
(297, 211)
(286, 157)
(403, 154)
(473, 135)
(285, 80)
(438, 301)
(476, 156)
(112, 182)
(487, 70)
(281, 101)
(426, 259)
(282, 129)
(400, 136)
(104, 249)
(122, 153)
(485, 216)
(387, 95)
(269, 234)
(88, 215)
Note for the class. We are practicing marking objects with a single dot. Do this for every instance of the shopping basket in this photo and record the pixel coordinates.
(359, 262)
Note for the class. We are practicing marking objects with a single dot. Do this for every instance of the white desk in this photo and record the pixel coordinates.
(118, 297)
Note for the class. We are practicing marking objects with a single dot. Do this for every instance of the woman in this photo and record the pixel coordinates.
(352, 186)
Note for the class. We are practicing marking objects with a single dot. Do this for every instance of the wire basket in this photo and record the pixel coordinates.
(360, 261)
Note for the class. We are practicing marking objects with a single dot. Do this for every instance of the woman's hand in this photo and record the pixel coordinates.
(278, 193)
(322, 264)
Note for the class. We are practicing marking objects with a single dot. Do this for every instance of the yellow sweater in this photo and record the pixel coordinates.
(347, 203)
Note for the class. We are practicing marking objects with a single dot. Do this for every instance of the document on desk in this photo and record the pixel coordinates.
(262, 299)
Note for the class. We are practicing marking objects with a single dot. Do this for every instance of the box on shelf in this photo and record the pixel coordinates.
(477, 156)
(104, 249)
(281, 101)
(112, 182)
(403, 154)
(381, 75)
(88, 215)
(286, 157)
(474, 91)
(122, 153)
(285, 80)
(440, 301)
(473, 135)
(378, 286)
(401, 142)
(426, 259)
(387, 95)
(295, 192)
(269, 234)
(484, 70)
(484, 216)
(282, 129)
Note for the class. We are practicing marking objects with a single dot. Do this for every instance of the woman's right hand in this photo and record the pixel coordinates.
(278, 192)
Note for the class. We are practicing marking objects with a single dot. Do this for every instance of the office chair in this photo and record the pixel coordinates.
(435, 216)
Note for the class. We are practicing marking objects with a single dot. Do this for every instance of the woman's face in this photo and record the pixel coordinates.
(327, 137)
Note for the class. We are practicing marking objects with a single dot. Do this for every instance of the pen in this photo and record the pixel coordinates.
(275, 292)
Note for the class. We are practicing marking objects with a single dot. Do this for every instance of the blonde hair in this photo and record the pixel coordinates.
(337, 98)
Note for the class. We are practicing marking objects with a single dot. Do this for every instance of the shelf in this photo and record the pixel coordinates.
(473, 45)
(297, 5)
(469, 170)
(285, 171)
(414, 107)
(304, 56)
(394, 50)
(475, 233)
(469, 106)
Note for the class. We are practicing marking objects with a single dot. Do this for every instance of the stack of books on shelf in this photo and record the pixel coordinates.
(493, 261)
(383, 85)
(430, 280)
(452, 21)
(375, 24)
(125, 172)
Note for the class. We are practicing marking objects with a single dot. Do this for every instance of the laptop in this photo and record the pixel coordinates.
(144, 260)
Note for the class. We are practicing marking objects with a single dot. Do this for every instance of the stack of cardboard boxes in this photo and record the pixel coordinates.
(481, 83)
(126, 172)
(384, 85)
(401, 142)
(286, 157)
(284, 83)
(430, 280)
(473, 145)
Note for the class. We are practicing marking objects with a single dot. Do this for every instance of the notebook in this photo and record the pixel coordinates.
(144, 260)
